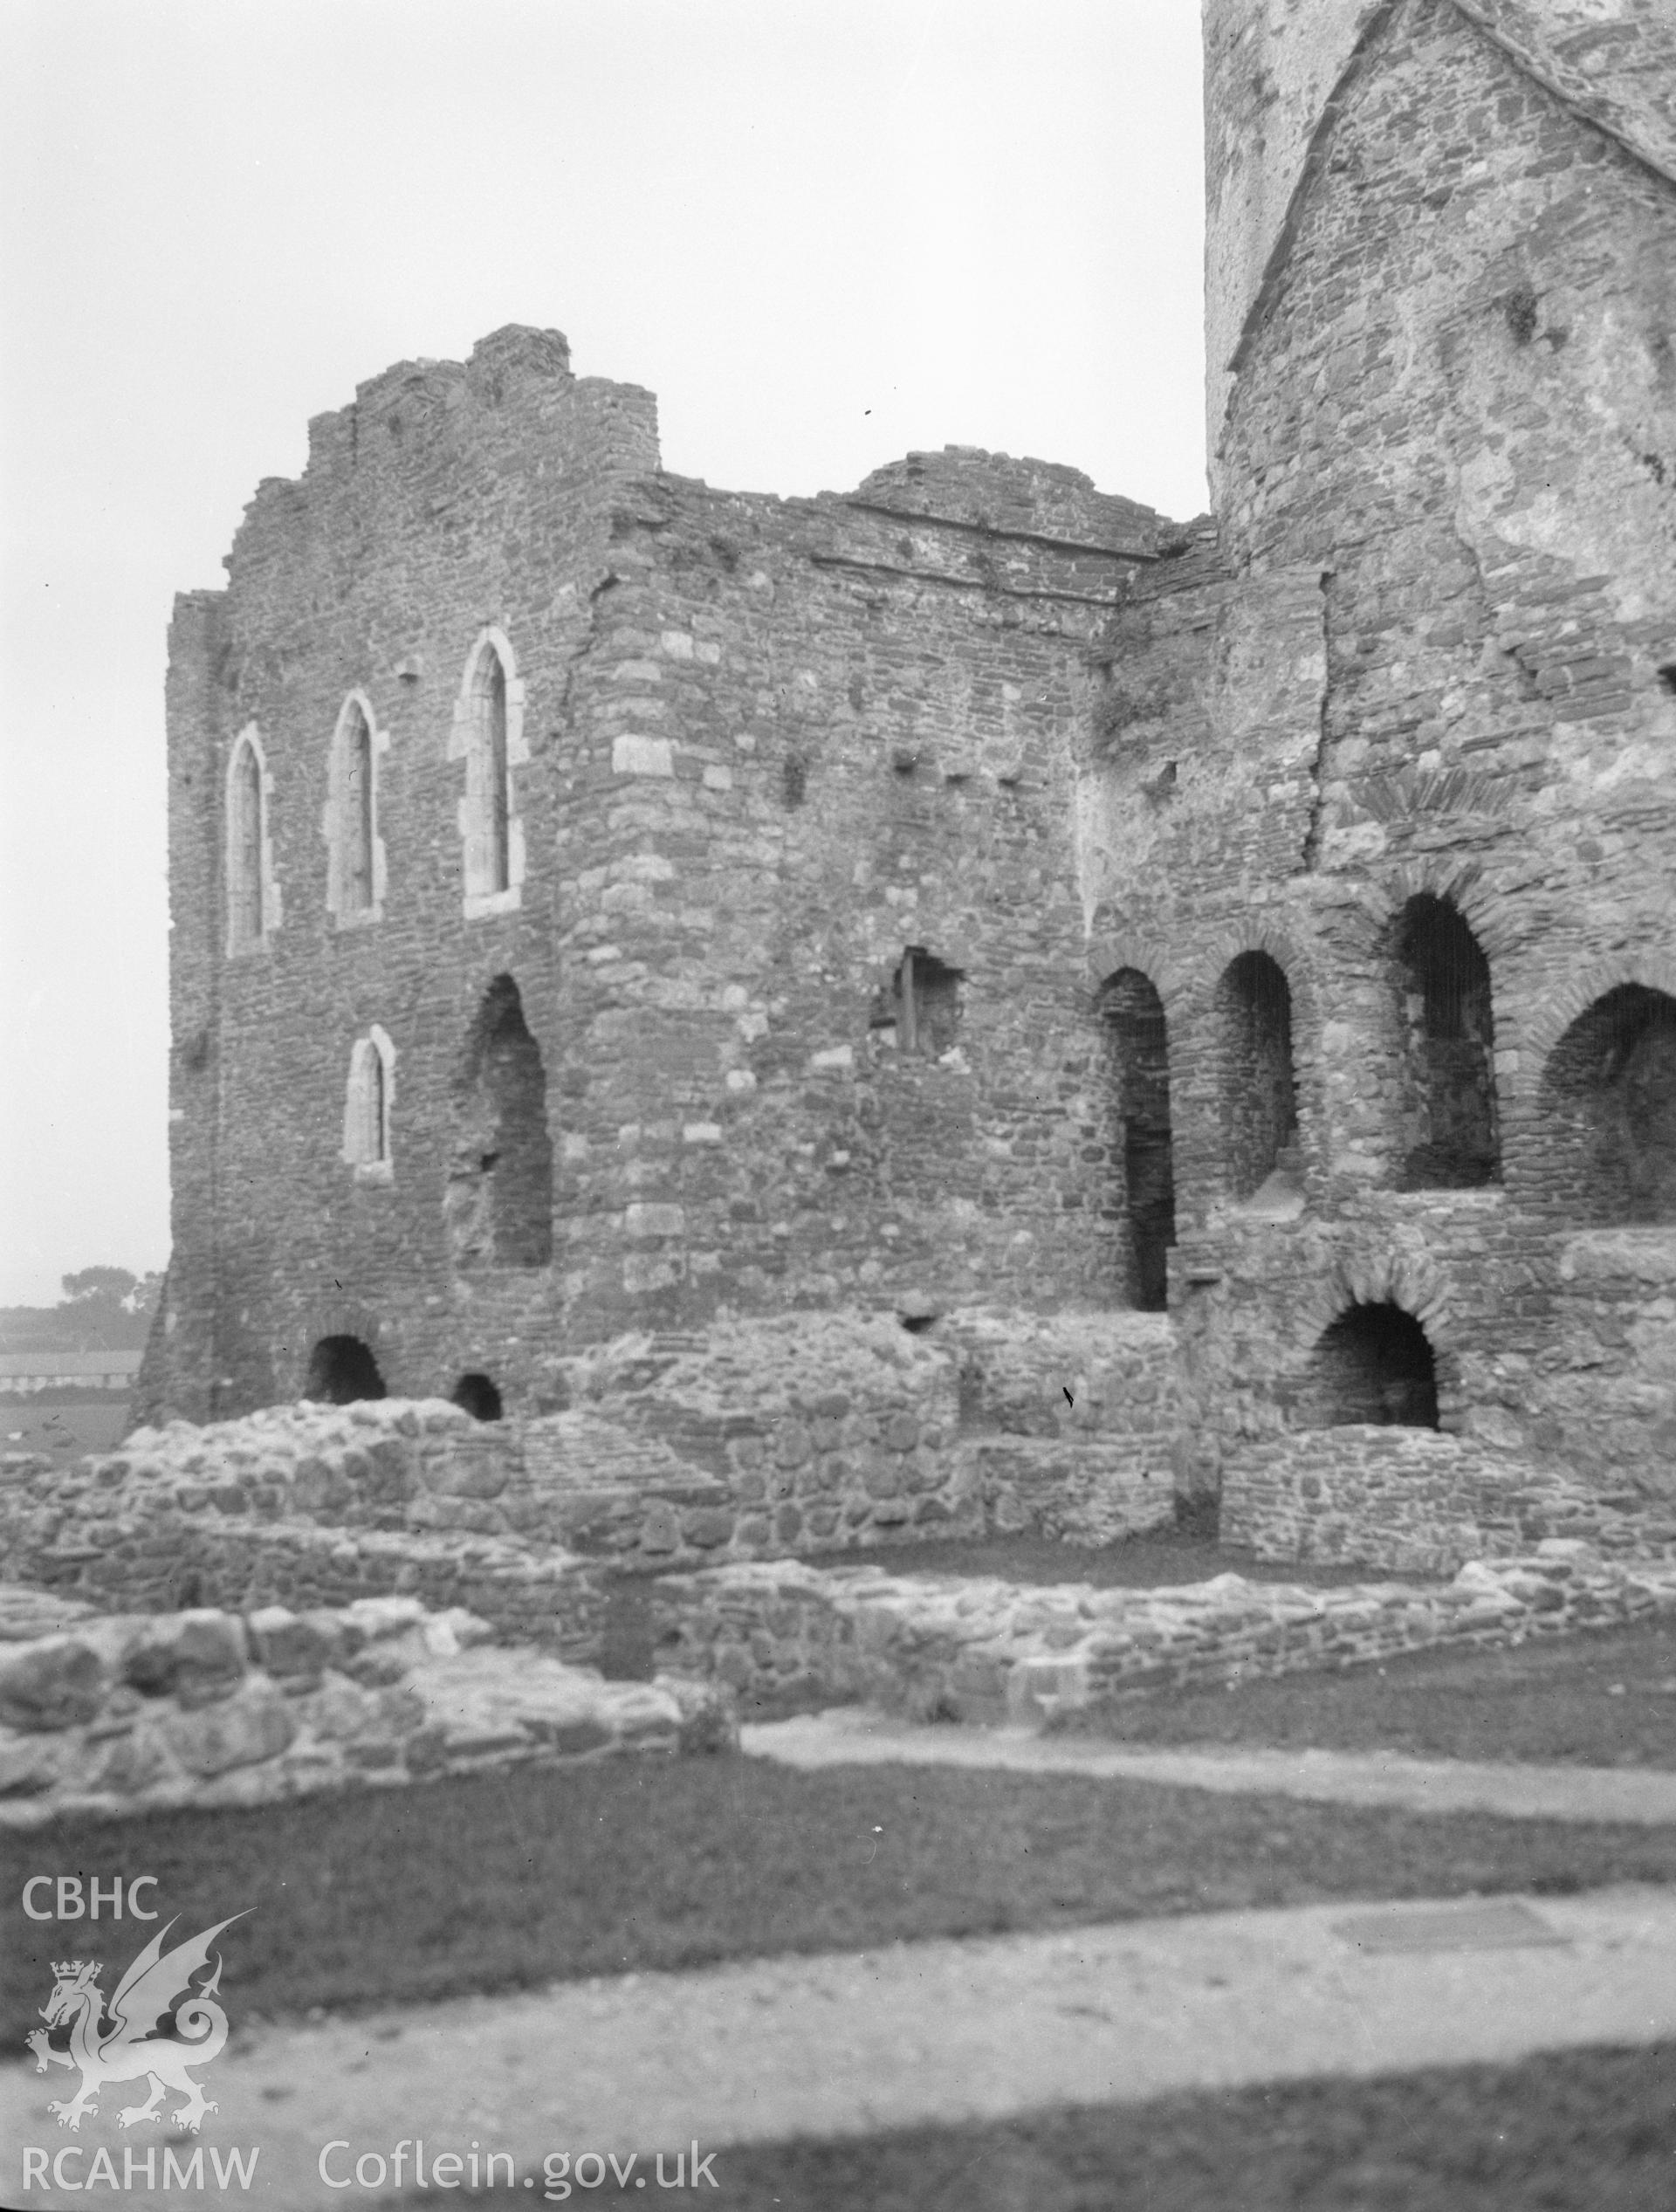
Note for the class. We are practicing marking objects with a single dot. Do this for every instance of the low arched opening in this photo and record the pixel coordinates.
(1374, 1363)
(477, 1395)
(341, 1369)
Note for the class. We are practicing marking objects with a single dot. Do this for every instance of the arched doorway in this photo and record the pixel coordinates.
(1260, 1102)
(1450, 1136)
(1139, 1058)
(342, 1370)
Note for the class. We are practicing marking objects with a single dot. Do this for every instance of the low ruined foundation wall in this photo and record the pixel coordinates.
(811, 1431)
(112, 1714)
(989, 1651)
(1412, 1500)
(833, 1432)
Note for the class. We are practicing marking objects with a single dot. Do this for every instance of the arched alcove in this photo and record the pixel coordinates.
(500, 1198)
(1374, 1363)
(477, 1394)
(1608, 1110)
(366, 1103)
(1138, 1063)
(342, 1370)
(1258, 1081)
(1450, 1139)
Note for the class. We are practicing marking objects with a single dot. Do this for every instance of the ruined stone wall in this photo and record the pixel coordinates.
(787, 1635)
(764, 758)
(449, 499)
(1414, 1502)
(817, 1431)
(114, 1714)
(1429, 654)
(830, 733)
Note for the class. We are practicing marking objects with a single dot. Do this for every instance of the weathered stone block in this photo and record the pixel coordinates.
(239, 1732)
(58, 1683)
(708, 1527)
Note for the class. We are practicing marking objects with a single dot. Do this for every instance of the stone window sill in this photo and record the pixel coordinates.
(375, 1174)
(481, 903)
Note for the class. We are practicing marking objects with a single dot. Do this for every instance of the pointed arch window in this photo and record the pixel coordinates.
(252, 894)
(355, 879)
(488, 735)
(367, 1108)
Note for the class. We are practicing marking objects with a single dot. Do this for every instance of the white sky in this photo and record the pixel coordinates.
(824, 231)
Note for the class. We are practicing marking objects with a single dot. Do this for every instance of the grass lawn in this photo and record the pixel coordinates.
(1597, 1699)
(515, 1878)
(63, 1430)
(1583, 2130)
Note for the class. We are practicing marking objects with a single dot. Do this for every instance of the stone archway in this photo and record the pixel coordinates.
(1608, 1105)
(341, 1371)
(1373, 1363)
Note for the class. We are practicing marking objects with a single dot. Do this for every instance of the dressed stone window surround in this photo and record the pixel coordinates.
(357, 870)
(367, 1098)
(253, 906)
(488, 735)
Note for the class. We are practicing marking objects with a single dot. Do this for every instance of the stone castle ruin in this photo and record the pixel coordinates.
(709, 1028)
(966, 1003)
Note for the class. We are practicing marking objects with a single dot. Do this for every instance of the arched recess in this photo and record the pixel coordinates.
(488, 735)
(1607, 1111)
(355, 867)
(252, 894)
(500, 1197)
(477, 1395)
(341, 1369)
(1450, 1134)
(1137, 1048)
(1257, 1077)
(1373, 1363)
(368, 1096)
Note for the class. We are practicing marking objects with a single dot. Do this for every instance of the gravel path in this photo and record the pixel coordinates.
(852, 1735)
(766, 2048)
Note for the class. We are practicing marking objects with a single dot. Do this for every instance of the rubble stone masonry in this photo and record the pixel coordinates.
(975, 895)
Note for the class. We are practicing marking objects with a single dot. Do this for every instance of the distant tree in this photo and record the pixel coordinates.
(101, 1309)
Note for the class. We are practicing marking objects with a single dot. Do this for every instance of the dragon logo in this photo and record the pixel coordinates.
(132, 2046)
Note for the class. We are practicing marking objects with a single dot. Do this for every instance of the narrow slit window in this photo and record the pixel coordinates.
(357, 816)
(246, 840)
(488, 760)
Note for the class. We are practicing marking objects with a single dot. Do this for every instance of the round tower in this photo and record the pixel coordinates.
(1269, 68)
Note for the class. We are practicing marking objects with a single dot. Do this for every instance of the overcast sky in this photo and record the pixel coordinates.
(824, 232)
